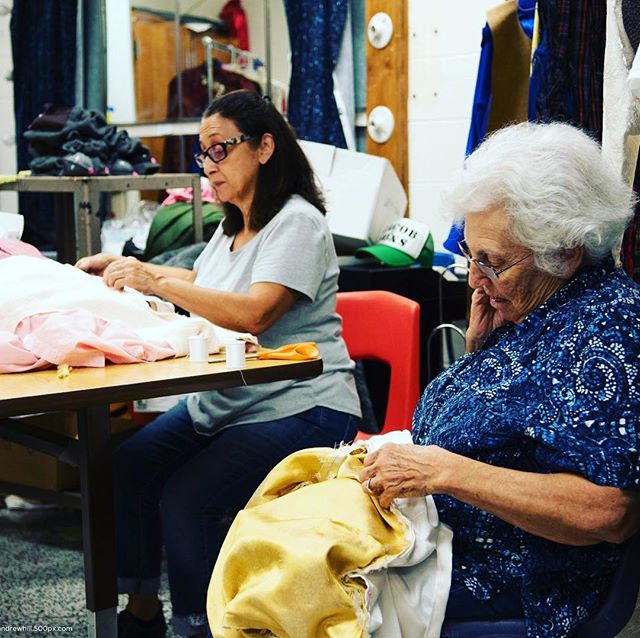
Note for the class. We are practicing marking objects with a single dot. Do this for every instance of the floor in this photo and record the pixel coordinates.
(41, 582)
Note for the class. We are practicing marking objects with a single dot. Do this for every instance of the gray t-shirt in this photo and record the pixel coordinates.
(295, 249)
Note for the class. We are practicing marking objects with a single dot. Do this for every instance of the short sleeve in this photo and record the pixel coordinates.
(588, 418)
(208, 249)
(295, 252)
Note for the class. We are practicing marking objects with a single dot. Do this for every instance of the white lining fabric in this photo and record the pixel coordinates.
(409, 596)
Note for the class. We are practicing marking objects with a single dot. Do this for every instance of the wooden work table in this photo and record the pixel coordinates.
(89, 391)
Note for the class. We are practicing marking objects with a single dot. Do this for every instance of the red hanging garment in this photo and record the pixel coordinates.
(233, 15)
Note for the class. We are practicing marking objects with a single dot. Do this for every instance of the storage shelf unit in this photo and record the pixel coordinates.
(78, 226)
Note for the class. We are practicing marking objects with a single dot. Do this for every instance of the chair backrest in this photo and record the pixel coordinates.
(620, 602)
(607, 622)
(380, 325)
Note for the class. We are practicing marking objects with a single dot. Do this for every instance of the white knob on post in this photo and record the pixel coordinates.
(380, 30)
(380, 124)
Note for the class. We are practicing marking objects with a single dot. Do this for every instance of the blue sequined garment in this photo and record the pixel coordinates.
(315, 36)
(559, 392)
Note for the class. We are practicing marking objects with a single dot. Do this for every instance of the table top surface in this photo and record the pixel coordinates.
(44, 391)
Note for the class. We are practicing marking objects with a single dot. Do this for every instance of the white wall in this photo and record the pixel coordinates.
(280, 65)
(8, 201)
(444, 49)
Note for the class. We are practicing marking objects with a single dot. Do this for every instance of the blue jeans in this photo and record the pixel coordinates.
(176, 487)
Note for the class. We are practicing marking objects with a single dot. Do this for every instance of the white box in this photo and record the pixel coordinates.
(11, 225)
(363, 192)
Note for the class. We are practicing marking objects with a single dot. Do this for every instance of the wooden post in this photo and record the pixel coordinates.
(388, 84)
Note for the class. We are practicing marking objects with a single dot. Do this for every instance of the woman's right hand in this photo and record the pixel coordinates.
(483, 320)
(96, 264)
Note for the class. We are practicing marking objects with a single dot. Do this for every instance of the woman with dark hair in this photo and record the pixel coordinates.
(270, 269)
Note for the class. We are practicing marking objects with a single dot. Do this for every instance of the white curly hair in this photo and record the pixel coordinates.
(553, 183)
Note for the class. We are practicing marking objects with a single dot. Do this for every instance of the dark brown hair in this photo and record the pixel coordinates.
(287, 172)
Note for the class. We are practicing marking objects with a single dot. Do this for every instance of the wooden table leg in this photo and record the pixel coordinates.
(98, 530)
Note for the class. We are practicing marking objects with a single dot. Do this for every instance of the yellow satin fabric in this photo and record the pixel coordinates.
(291, 352)
(287, 564)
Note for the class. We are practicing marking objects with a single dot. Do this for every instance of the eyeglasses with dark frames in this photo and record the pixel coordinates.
(218, 151)
(486, 269)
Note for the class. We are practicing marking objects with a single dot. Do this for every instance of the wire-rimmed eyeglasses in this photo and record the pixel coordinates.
(486, 269)
(218, 151)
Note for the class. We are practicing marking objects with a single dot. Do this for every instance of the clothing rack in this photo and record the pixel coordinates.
(238, 56)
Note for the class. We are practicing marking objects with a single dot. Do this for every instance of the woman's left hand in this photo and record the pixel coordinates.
(128, 271)
(400, 471)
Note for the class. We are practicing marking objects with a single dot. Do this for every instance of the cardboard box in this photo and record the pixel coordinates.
(363, 192)
(24, 466)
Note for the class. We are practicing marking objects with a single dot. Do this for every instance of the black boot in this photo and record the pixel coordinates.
(131, 627)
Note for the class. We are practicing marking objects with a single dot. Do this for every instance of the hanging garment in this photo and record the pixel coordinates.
(502, 87)
(233, 15)
(568, 63)
(195, 98)
(194, 89)
(343, 86)
(621, 119)
(621, 137)
(315, 35)
(43, 42)
(631, 242)
(312, 554)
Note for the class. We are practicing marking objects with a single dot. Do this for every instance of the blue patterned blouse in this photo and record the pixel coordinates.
(559, 392)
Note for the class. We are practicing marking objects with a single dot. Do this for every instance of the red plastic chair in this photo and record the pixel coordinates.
(383, 326)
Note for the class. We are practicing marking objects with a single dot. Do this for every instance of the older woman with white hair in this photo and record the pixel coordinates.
(529, 443)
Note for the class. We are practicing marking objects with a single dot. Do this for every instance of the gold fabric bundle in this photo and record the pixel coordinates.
(291, 561)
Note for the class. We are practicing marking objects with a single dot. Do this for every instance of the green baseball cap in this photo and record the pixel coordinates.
(404, 243)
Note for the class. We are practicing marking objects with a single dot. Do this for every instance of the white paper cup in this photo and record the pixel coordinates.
(198, 349)
(235, 354)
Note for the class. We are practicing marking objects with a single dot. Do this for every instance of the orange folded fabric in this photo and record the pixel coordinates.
(291, 352)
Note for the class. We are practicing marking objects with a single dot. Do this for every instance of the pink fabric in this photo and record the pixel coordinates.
(76, 337)
(14, 356)
(186, 195)
(10, 247)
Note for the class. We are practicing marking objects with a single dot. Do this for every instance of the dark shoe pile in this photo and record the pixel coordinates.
(77, 141)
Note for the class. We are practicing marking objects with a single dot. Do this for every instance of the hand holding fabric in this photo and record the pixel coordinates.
(96, 264)
(401, 471)
(128, 271)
